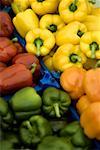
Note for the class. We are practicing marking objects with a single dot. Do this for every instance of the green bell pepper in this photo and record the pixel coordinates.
(55, 102)
(25, 103)
(5, 114)
(54, 143)
(33, 130)
(74, 133)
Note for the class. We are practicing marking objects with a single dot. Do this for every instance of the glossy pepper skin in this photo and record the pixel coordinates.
(25, 103)
(32, 131)
(55, 102)
(5, 113)
(75, 135)
(14, 77)
(51, 22)
(92, 84)
(90, 121)
(2, 66)
(73, 10)
(7, 49)
(19, 5)
(90, 44)
(68, 55)
(22, 25)
(39, 41)
(72, 80)
(74, 29)
(92, 22)
(42, 7)
(6, 26)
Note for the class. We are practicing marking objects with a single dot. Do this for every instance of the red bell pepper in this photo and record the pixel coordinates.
(14, 78)
(7, 49)
(2, 66)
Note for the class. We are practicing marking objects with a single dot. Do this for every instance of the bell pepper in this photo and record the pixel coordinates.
(42, 7)
(54, 143)
(90, 64)
(2, 66)
(90, 5)
(96, 11)
(90, 44)
(19, 47)
(68, 55)
(51, 22)
(14, 77)
(32, 131)
(39, 41)
(5, 114)
(82, 104)
(72, 80)
(7, 49)
(73, 10)
(25, 103)
(19, 5)
(71, 33)
(92, 22)
(92, 84)
(48, 61)
(90, 121)
(75, 135)
(6, 26)
(25, 21)
(55, 102)
(6, 2)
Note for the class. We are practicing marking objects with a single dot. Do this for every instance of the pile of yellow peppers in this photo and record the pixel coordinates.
(66, 33)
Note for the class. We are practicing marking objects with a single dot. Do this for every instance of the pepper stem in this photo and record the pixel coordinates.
(40, 0)
(74, 58)
(15, 39)
(97, 64)
(92, 1)
(80, 33)
(93, 47)
(73, 6)
(57, 111)
(33, 67)
(27, 123)
(38, 43)
(52, 28)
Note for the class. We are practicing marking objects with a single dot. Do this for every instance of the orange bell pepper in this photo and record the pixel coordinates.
(82, 104)
(92, 84)
(72, 81)
(90, 121)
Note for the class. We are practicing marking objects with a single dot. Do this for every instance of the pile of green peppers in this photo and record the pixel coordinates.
(39, 121)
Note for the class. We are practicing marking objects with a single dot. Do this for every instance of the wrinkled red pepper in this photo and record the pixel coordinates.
(14, 78)
(7, 49)
(31, 62)
(2, 66)
(6, 2)
(6, 26)
(19, 47)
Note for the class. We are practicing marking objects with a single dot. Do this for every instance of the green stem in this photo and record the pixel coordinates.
(80, 33)
(57, 111)
(97, 64)
(15, 39)
(73, 6)
(92, 1)
(38, 43)
(33, 67)
(40, 0)
(27, 123)
(93, 47)
(74, 58)
(52, 28)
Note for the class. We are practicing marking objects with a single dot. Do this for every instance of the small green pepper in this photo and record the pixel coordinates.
(25, 103)
(55, 102)
(75, 134)
(33, 130)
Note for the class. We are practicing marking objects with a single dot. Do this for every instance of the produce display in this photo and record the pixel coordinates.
(49, 75)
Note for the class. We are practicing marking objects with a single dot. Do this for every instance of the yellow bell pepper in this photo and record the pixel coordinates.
(68, 55)
(73, 10)
(25, 21)
(19, 5)
(42, 7)
(90, 5)
(39, 41)
(51, 22)
(96, 11)
(71, 33)
(48, 61)
(90, 44)
(92, 22)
